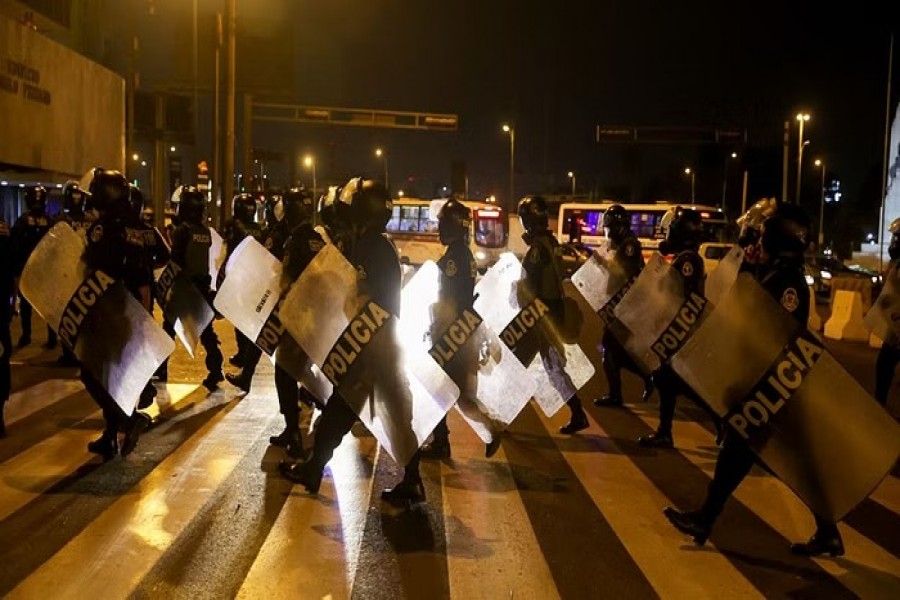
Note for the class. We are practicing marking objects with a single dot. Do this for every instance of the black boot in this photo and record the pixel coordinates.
(306, 474)
(648, 389)
(689, 523)
(137, 424)
(578, 420)
(826, 540)
(490, 449)
(148, 395)
(240, 381)
(437, 449)
(657, 439)
(405, 493)
(608, 400)
(235, 360)
(294, 447)
(213, 380)
(24, 341)
(107, 446)
(281, 440)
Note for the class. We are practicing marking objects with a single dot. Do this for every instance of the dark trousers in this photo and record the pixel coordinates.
(888, 357)
(336, 421)
(615, 358)
(243, 342)
(163, 370)
(250, 356)
(670, 386)
(113, 416)
(210, 342)
(288, 397)
(25, 313)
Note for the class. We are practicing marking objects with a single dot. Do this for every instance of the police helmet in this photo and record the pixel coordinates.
(136, 199)
(299, 207)
(108, 191)
(533, 214)
(751, 222)
(333, 213)
(683, 228)
(36, 198)
(616, 221)
(786, 233)
(192, 204)
(894, 247)
(369, 203)
(73, 198)
(454, 220)
(243, 208)
(273, 209)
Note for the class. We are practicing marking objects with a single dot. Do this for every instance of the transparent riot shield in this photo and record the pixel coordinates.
(602, 282)
(183, 305)
(248, 298)
(559, 368)
(655, 317)
(494, 385)
(720, 279)
(111, 334)
(883, 319)
(399, 393)
(780, 390)
(217, 252)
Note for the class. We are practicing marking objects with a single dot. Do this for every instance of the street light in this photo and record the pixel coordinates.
(512, 163)
(572, 177)
(171, 148)
(802, 118)
(383, 156)
(821, 164)
(734, 155)
(689, 171)
(310, 163)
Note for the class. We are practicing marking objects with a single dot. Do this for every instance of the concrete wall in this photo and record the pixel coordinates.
(61, 113)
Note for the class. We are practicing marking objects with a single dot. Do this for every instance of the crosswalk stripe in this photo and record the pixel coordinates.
(633, 507)
(312, 550)
(39, 396)
(112, 554)
(778, 506)
(487, 546)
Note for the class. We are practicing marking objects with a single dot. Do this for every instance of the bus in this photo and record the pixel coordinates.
(414, 230)
(579, 222)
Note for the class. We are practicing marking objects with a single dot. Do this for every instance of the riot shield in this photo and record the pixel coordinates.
(559, 368)
(603, 283)
(183, 305)
(494, 386)
(883, 319)
(111, 334)
(399, 393)
(656, 317)
(720, 279)
(248, 298)
(780, 390)
(217, 252)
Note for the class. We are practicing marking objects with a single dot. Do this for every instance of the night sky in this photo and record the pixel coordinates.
(556, 69)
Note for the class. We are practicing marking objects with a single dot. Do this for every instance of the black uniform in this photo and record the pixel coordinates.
(888, 356)
(7, 285)
(786, 283)
(190, 251)
(234, 233)
(376, 261)
(26, 233)
(628, 255)
(108, 250)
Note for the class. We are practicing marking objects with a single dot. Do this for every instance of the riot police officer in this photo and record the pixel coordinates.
(364, 206)
(108, 250)
(751, 223)
(544, 277)
(783, 242)
(191, 242)
(629, 257)
(26, 233)
(242, 223)
(335, 225)
(73, 214)
(7, 299)
(889, 355)
(274, 237)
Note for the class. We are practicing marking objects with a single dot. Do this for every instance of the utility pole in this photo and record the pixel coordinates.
(247, 128)
(784, 172)
(217, 129)
(228, 165)
(159, 159)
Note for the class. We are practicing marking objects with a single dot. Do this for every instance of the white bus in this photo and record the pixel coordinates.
(414, 229)
(584, 223)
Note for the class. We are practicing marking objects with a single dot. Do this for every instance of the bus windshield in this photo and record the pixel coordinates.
(411, 218)
(490, 227)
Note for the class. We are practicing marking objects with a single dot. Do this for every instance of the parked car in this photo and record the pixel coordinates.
(821, 270)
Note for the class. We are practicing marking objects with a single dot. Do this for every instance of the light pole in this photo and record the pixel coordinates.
(689, 171)
(734, 155)
(821, 164)
(310, 163)
(802, 118)
(512, 165)
(572, 177)
(383, 156)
